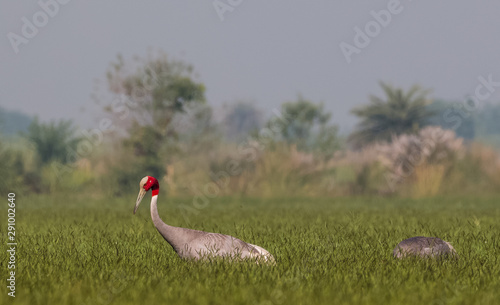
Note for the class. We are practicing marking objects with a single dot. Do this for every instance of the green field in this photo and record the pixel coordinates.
(73, 250)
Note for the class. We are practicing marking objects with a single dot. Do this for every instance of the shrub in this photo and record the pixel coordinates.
(422, 159)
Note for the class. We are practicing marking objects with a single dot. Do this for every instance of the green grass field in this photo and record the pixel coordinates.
(73, 250)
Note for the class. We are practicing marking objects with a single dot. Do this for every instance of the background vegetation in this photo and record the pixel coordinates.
(160, 124)
(329, 207)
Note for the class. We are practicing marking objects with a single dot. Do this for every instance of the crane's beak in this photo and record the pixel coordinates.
(142, 192)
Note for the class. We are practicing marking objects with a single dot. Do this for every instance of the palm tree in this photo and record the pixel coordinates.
(400, 113)
(53, 140)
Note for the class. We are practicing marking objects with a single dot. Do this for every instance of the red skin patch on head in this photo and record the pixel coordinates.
(153, 185)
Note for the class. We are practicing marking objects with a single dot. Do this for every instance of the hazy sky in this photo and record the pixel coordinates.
(266, 51)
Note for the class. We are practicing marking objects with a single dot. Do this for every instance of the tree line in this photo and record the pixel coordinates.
(161, 114)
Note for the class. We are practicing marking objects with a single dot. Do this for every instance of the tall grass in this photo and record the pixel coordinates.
(74, 250)
(434, 162)
(427, 180)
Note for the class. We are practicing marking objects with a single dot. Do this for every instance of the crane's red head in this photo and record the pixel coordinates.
(147, 183)
(150, 184)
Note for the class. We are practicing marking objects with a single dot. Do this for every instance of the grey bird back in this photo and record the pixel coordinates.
(423, 247)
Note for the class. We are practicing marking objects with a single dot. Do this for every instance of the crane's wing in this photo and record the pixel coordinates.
(423, 246)
(215, 244)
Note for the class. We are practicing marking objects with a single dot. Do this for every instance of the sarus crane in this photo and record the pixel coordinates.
(194, 244)
(424, 247)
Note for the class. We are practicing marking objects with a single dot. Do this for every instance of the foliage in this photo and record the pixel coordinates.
(79, 250)
(13, 122)
(10, 167)
(197, 130)
(161, 106)
(431, 145)
(145, 145)
(20, 165)
(480, 169)
(358, 172)
(399, 113)
(327, 141)
(410, 155)
(452, 116)
(478, 123)
(53, 141)
(154, 92)
(300, 117)
(488, 119)
(305, 125)
(241, 120)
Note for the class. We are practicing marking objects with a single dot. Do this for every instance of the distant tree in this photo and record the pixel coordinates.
(197, 129)
(488, 119)
(480, 123)
(53, 141)
(487, 124)
(305, 124)
(152, 93)
(327, 140)
(144, 144)
(399, 113)
(452, 115)
(300, 117)
(241, 120)
(12, 122)
(8, 168)
(155, 99)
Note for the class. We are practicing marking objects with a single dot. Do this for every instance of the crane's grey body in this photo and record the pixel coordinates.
(423, 247)
(194, 244)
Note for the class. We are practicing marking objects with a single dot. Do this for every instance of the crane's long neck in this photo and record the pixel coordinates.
(173, 235)
(154, 213)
